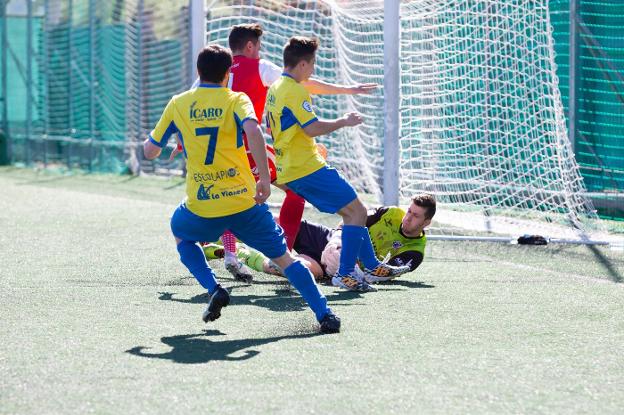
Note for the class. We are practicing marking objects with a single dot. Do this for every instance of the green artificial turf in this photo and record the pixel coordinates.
(99, 316)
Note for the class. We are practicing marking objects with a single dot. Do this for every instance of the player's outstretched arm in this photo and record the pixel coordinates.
(322, 127)
(318, 87)
(257, 147)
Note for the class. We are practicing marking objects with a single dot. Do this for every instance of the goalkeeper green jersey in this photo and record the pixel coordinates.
(384, 226)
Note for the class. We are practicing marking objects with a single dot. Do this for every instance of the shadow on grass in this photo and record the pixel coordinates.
(408, 284)
(283, 300)
(198, 348)
(614, 274)
(589, 253)
(175, 185)
(128, 178)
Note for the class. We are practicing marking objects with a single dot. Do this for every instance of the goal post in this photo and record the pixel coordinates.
(197, 19)
(392, 90)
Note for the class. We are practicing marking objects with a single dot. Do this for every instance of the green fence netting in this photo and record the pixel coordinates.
(599, 145)
(86, 80)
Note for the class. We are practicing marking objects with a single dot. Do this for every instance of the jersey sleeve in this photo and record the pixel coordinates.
(244, 110)
(410, 258)
(269, 72)
(300, 106)
(374, 215)
(195, 84)
(165, 126)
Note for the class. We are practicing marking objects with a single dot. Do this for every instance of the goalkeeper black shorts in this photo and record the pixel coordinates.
(312, 239)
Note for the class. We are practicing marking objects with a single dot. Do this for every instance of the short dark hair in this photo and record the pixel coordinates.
(213, 63)
(427, 202)
(240, 34)
(299, 48)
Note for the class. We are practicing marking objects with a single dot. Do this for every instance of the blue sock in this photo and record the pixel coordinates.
(367, 252)
(302, 279)
(351, 241)
(193, 258)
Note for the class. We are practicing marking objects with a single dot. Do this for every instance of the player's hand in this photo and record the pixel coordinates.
(363, 89)
(352, 119)
(176, 151)
(263, 191)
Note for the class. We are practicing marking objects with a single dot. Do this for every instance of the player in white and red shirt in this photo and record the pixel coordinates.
(253, 76)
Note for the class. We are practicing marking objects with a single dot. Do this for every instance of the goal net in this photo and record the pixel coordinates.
(481, 121)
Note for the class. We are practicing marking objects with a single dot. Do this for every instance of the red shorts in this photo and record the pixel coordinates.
(271, 160)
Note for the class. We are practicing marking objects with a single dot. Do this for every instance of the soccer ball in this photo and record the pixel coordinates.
(330, 258)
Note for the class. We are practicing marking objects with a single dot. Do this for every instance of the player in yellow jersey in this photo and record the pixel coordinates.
(253, 76)
(221, 192)
(301, 168)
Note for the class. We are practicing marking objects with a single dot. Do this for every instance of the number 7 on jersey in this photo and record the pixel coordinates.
(212, 133)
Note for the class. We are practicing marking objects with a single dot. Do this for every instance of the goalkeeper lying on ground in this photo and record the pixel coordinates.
(394, 233)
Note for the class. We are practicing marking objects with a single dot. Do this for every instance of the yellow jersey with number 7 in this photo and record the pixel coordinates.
(209, 122)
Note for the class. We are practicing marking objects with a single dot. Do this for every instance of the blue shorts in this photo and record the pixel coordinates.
(326, 189)
(254, 226)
